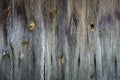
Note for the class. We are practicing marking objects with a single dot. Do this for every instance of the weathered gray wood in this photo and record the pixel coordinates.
(59, 40)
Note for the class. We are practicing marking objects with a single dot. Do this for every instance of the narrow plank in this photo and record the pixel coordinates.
(116, 14)
(5, 67)
(93, 62)
(108, 38)
(53, 64)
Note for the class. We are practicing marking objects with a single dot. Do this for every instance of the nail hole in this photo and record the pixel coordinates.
(92, 26)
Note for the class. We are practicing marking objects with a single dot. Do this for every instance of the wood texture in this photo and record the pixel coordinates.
(59, 40)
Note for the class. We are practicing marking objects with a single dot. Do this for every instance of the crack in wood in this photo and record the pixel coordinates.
(44, 71)
(12, 56)
(51, 60)
(116, 69)
(5, 34)
(79, 60)
(95, 67)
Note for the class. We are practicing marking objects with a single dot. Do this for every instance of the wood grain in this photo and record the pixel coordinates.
(59, 40)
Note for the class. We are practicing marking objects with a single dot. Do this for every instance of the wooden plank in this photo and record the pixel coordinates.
(116, 19)
(92, 34)
(76, 40)
(5, 69)
(108, 39)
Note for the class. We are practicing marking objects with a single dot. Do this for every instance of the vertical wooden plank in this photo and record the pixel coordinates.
(53, 65)
(106, 26)
(63, 46)
(92, 60)
(27, 40)
(116, 14)
(76, 66)
(4, 51)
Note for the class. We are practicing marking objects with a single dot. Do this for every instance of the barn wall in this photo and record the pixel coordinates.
(59, 40)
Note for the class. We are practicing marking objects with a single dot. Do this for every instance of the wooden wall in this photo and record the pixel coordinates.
(59, 39)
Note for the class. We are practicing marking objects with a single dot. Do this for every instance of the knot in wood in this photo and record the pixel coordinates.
(52, 13)
(25, 43)
(9, 8)
(92, 27)
(5, 53)
(62, 60)
(31, 26)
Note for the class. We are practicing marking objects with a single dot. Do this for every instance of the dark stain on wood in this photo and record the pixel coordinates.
(5, 8)
(117, 14)
(20, 7)
(75, 18)
(87, 40)
(51, 59)
(105, 22)
(92, 77)
(4, 4)
(19, 59)
(95, 67)
(116, 68)
(79, 61)
(71, 30)
(33, 62)
(44, 72)
(5, 34)
(52, 14)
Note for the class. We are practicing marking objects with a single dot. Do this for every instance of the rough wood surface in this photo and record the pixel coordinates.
(59, 39)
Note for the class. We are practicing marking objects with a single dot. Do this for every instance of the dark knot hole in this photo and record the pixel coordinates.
(92, 26)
